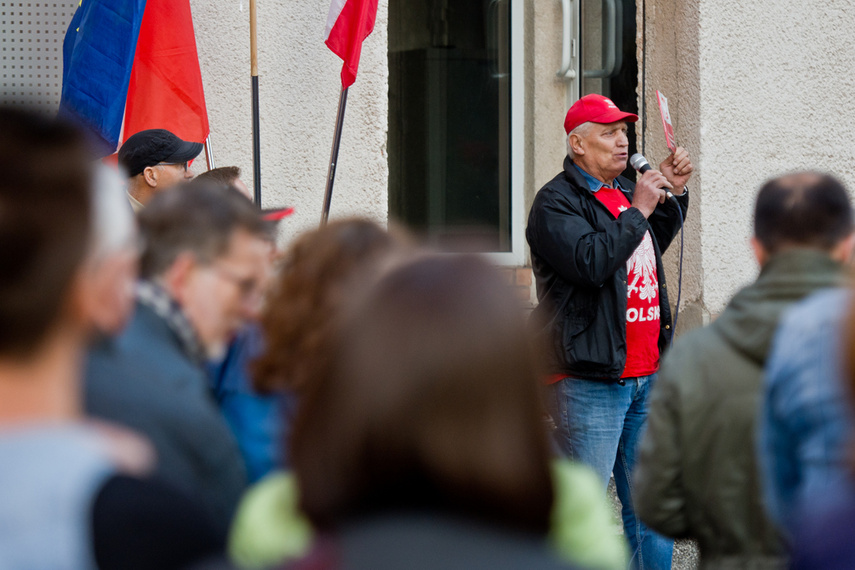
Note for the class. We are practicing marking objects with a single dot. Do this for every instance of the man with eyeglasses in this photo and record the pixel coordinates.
(155, 160)
(203, 270)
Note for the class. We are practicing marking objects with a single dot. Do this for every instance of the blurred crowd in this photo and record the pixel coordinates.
(178, 392)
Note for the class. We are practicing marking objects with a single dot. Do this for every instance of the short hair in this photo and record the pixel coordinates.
(317, 277)
(224, 175)
(433, 403)
(804, 209)
(44, 224)
(581, 130)
(198, 217)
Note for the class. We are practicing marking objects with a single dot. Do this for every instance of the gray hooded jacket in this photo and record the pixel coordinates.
(697, 475)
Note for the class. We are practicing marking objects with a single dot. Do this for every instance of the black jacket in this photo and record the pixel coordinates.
(578, 254)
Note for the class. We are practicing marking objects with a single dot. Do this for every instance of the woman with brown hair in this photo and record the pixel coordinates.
(424, 447)
(319, 274)
(423, 403)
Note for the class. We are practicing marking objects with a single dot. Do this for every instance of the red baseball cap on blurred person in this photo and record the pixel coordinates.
(595, 109)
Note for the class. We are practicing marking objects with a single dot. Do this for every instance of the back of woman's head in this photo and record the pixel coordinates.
(432, 404)
(319, 273)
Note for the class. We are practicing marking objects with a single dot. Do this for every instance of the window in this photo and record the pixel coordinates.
(455, 123)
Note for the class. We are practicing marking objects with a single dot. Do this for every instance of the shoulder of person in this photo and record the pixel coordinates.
(146, 523)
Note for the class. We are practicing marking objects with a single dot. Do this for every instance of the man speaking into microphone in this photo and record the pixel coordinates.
(596, 244)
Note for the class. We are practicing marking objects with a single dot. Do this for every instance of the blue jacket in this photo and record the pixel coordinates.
(806, 423)
(260, 422)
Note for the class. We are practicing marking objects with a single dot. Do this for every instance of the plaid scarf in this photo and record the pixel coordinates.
(156, 298)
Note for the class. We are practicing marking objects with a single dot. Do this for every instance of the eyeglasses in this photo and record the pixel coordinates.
(248, 287)
(184, 165)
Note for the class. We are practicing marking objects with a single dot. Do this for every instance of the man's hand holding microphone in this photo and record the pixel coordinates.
(655, 186)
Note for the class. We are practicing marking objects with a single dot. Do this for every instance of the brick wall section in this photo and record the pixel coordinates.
(520, 278)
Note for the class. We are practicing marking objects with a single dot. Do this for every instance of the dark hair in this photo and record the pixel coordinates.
(317, 276)
(806, 209)
(197, 217)
(224, 175)
(44, 224)
(432, 403)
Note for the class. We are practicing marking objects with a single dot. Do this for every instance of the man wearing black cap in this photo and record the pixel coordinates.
(155, 160)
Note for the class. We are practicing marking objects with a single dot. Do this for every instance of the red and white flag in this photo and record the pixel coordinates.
(348, 24)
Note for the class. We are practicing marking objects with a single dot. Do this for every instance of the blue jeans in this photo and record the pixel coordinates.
(601, 425)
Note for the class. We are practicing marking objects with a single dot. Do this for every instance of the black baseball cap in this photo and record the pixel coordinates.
(153, 146)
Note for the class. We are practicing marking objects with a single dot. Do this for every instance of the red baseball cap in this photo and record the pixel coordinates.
(595, 109)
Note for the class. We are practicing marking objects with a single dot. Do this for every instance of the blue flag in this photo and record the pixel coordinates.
(98, 55)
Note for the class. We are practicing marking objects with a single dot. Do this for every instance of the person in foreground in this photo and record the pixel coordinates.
(596, 247)
(807, 422)
(302, 321)
(697, 474)
(823, 536)
(321, 274)
(73, 493)
(424, 447)
(202, 269)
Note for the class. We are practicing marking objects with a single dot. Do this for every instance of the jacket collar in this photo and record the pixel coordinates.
(750, 319)
(578, 181)
(158, 300)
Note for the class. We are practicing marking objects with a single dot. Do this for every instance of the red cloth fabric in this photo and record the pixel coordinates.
(165, 90)
(553, 378)
(353, 24)
(642, 302)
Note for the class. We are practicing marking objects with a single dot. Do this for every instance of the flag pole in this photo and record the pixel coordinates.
(256, 135)
(209, 153)
(339, 122)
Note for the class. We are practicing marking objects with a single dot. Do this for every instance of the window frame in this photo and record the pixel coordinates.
(516, 257)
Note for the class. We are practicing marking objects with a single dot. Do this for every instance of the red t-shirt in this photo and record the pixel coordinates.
(642, 299)
(642, 296)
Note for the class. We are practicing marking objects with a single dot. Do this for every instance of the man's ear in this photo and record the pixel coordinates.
(842, 252)
(179, 275)
(576, 143)
(760, 252)
(150, 176)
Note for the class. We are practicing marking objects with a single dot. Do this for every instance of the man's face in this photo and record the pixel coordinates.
(171, 174)
(223, 295)
(603, 151)
(111, 281)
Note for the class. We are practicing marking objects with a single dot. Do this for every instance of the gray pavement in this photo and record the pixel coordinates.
(685, 551)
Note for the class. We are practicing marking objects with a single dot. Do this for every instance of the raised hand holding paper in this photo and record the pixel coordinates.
(666, 121)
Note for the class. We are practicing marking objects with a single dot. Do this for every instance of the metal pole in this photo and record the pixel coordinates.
(209, 153)
(339, 121)
(256, 134)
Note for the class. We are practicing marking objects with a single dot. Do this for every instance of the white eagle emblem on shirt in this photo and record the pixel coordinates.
(641, 269)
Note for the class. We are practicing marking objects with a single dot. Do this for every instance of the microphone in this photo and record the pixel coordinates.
(638, 162)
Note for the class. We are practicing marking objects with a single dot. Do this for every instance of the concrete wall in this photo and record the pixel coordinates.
(668, 61)
(299, 89)
(755, 90)
(548, 100)
(758, 89)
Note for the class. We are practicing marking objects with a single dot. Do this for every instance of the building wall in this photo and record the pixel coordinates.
(756, 90)
(668, 56)
(759, 90)
(299, 91)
